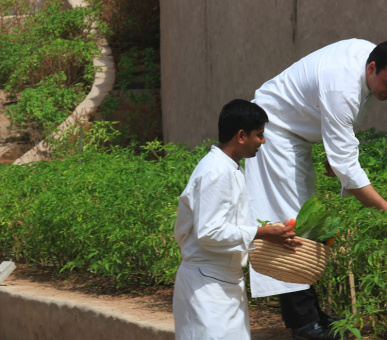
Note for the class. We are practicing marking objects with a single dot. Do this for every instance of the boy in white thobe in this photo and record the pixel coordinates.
(322, 97)
(214, 234)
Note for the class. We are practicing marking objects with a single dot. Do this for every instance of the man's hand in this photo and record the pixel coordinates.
(280, 235)
(329, 172)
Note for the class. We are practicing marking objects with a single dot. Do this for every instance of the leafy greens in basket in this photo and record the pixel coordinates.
(315, 223)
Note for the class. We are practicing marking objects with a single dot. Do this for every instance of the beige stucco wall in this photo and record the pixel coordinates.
(213, 51)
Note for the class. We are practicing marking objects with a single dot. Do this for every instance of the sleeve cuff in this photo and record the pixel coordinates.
(345, 193)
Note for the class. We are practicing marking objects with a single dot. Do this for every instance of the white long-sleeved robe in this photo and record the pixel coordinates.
(322, 97)
(215, 237)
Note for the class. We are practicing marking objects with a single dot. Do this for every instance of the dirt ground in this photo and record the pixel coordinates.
(12, 143)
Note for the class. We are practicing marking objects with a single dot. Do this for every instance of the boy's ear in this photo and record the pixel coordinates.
(241, 134)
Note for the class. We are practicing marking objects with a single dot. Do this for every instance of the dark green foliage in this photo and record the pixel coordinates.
(361, 245)
(126, 69)
(52, 40)
(129, 66)
(47, 104)
(113, 214)
(46, 62)
(316, 223)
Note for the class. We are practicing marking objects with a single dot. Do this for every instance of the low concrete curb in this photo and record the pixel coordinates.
(26, 317)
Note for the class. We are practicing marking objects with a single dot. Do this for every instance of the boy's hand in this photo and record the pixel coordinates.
(280, 235)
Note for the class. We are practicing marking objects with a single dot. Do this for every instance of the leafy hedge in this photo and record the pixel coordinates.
(108, 213)
(112, 213)
(359, 252)
(47, 57)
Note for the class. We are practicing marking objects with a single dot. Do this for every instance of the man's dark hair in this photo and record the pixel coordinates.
(379, 56)
(238, 115)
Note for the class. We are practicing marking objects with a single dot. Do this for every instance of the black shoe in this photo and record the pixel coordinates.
(314, 331)
(326, 320)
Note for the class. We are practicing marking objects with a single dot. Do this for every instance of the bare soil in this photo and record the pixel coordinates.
(13, 144)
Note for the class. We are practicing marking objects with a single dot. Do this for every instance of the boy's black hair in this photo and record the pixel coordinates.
(379, 56)
(238, 115)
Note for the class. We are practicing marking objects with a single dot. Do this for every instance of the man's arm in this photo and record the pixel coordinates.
(366, 195)
(369, 197)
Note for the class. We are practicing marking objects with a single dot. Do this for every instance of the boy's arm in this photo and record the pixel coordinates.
(214, 207)
(280, 235)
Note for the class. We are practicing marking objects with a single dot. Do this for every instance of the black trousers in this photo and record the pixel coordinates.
(300, 308)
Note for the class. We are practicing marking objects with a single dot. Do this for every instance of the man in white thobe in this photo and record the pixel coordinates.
(215, 236)
(322, 97)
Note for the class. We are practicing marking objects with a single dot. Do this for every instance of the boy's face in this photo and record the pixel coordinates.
(253, 142)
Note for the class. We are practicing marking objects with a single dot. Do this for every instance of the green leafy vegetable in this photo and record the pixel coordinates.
(315, 223)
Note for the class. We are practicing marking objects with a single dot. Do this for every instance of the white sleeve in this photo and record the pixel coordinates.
(338, 112)
(214, 214)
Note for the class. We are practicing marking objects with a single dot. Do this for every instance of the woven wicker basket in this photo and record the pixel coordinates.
(304, 266)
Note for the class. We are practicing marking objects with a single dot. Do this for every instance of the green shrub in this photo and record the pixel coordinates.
(127, 69)
(46, 62)
(112, 214)
(152, 72)
(47, 104)
(360, 248)
(54, 39)
(59, 56)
